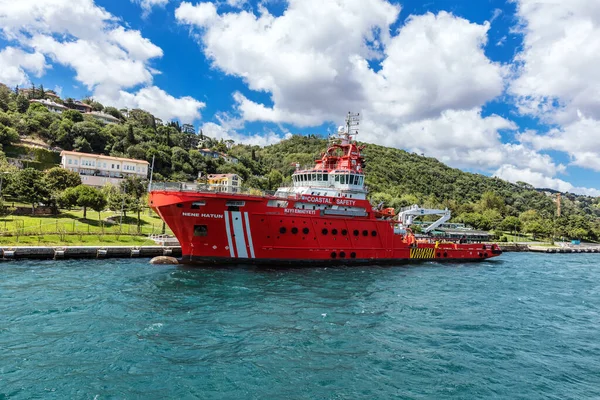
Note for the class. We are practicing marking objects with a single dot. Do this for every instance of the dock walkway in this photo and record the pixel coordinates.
(74, 252)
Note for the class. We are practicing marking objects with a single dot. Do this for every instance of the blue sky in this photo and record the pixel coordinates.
(505, 88)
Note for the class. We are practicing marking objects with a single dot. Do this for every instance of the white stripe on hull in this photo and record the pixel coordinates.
(238, 231)
(228, 230)
(249, 235)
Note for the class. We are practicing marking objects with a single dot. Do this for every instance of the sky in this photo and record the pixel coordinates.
(503, 88)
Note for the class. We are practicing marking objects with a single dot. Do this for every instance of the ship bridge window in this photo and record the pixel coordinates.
(343, 179)
(200, 230)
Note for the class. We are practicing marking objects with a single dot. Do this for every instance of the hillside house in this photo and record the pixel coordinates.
(50, 105)
(230, 183)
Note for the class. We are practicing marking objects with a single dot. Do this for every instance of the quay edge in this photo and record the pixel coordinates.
(8, 253)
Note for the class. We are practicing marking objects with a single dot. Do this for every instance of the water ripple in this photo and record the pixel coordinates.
(524, 327)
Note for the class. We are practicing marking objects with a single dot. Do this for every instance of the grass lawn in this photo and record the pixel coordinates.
(69, 228)
(76, 240)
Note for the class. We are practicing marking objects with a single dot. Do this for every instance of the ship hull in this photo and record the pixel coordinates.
(226, 228)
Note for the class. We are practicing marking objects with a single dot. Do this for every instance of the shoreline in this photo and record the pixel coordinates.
(8, 253)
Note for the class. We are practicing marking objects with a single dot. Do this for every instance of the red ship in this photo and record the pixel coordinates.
(323, 217)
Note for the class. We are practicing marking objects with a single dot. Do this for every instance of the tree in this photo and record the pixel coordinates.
(510, 224)
(73, 115)
(135, 188)
(22, 104)
(130, 139)
(81, 144)
(5, 97)
(28, 186)
(491, 201)
(8, 135)
(84, 196)
(114, 112)
(114, 197)
(534, 227)
(275, 179)
(59, 179)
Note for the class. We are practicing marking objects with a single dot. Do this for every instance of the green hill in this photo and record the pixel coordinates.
(394, 176)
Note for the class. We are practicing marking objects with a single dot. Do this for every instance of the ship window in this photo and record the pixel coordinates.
(196, 205)
(337, 178)
(200, 230)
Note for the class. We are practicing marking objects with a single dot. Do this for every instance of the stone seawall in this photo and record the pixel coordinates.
(72, 252)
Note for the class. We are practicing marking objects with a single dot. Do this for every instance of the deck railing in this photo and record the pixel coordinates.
(204, 188)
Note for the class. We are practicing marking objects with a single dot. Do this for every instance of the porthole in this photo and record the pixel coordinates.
(365, 233)
(282, 230)
(344, 232)
(355, 233)
(294, 230)
(333, 255)
(437, 255)
(324, 231)
(342, 254)
(373, 233)
(445, 254)
(353, 255)
(305, 231)
(334, 231)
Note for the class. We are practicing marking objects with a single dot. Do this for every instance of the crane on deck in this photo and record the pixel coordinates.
(407, 214)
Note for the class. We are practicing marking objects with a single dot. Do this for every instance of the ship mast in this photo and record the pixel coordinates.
(352, 123)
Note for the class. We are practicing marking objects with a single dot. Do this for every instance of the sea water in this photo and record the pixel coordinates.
(525, 326)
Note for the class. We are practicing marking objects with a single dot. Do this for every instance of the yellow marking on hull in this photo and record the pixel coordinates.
(422, 253)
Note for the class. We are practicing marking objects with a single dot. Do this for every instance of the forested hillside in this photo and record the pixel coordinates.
(394, 176)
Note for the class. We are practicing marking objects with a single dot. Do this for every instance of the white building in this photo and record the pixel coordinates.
(50, 105)
(97, 170)
(225, 182)
(106, 118)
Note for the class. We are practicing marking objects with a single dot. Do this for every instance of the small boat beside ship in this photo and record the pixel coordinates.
(323, 217)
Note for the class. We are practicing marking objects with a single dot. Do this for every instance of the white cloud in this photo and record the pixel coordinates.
(156, 101)
(97, 63)
(106, 56)
(15, 62)
(580, 139)
(558, 66)
(557, 77)
(147, 5)
(222, 132)
(462, 139)
(315, 61)
(237, 3)
(515, 174)
(304, 59)
(82, 19)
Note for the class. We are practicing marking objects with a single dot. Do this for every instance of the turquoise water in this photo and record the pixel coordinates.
(523, 327)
